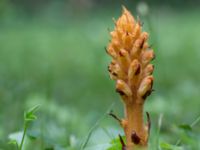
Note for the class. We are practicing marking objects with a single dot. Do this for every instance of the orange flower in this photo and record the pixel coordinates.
(131, 68)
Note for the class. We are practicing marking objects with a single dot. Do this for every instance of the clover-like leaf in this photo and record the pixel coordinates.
(29, 115)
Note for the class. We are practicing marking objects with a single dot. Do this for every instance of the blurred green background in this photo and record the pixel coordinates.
(52, 52)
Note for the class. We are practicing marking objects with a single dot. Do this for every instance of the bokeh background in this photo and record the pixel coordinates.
(52, 53)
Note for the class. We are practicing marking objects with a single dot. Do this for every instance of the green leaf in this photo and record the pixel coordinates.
(185, 127)
(29, 115)
(33, 109)
(13, 142)
(15, 138)
(165, 146)
(32, 134)
(116, 144)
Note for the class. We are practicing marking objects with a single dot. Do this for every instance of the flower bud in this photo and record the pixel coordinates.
(134, 69)
(124, 59)
(145, 87)
(148, 70)
(115, 71)
(111, 52)
(139, 44)
(123, 89)
(147, 56)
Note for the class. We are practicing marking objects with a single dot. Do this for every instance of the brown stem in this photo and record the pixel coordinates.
(135, 125)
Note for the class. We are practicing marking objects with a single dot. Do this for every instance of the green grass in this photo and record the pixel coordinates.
(63, 67)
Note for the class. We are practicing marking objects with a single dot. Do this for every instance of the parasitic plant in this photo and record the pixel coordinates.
(132, 70)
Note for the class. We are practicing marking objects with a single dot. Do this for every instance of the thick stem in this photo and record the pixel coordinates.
(135, 125)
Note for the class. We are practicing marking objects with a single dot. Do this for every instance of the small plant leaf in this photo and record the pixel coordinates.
(165, 146)
(116, 144)
(185, 127)
(32, 134)
(33, 109)
(29, 115)
(15, 138)
(13, 142)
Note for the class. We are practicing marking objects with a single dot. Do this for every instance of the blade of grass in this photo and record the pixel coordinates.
(158, 131)
(108, 134)
(84, 143)
(195, 122)
(191, 125)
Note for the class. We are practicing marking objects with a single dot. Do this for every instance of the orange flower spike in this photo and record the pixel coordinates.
(132, 71)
